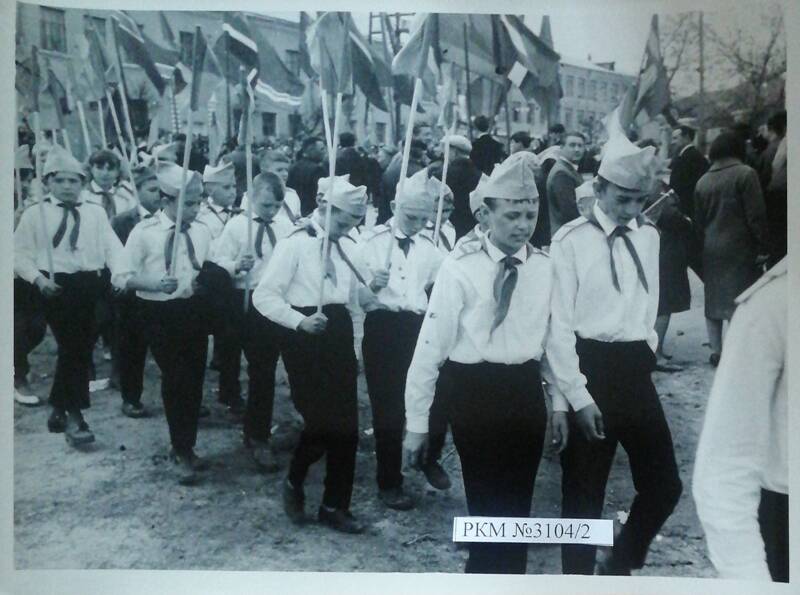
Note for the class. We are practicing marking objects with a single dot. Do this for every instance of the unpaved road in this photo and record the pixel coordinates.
(116, 505)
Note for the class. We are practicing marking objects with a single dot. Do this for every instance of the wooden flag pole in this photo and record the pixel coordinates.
(67, 141)
(17, 177)
(406, 156)
(437, 228)
(248, 152)
(122, 145)
(331, 175)
(102, 122)
(86, 140)
(181, 197)
(466, 64)
(37, 133)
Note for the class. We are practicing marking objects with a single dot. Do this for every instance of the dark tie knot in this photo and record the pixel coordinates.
(184, 227)
(511, 262)
(620, 230)
(70, 206)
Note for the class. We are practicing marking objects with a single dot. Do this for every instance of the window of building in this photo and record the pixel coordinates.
(569, 87)
(187, 47)
(581, 88)
(592, 89)
(603, 91)
(295, 124)
(380, 132)
(293, 61)
(99, 25)
(568, 118)
(53, 28)
(268, 123)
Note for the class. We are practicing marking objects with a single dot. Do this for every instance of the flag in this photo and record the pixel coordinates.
(302, 46)
(171, 53)
(422, 51)
(329, 46)
(545, 34)
(57, 94)
(246, 48)
(166, 31)
(237, 41)
(97, 59)
(198, 61)
(653, 95)
(36, 79)
(447, 97)
(128, 36)
(365, 66)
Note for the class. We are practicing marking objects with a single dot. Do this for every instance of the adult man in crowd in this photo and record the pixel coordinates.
(563, 180)
(306, 172)
(486, 152)
(520, 141)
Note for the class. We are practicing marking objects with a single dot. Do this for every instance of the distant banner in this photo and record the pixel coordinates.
(529, 530)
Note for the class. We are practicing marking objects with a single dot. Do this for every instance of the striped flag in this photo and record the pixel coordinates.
(366, 66)
(240, 44)
(302, 46)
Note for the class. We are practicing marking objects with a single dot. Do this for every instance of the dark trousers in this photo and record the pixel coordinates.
(105, 324)
(70, 316)
(618, 378)
(228, 352)
(323, 369)
(498, 418)
(178, 337)
(388, 346)
(131, 347)
(773, 518)
(260, 338)
(30, 325)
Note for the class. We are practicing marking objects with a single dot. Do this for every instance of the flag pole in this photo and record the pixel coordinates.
(331, 176)
(102, 122)
(248, 152)
(86, 140)
(508, 118)
(124, 94)
(37, 134)
(406, 156)
(437, 228)
(17, 176)
(181, 197)
(67, 141)
(227, 89)
(466, 65)
(173, 112)
(125, 156)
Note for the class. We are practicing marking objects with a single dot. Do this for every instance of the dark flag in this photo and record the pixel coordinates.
(198, 62)
(128, 36)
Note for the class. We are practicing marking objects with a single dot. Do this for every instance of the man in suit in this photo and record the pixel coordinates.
(486, 152)
(687, 166)
(562, 181)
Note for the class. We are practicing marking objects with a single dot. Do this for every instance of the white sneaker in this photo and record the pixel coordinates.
(29, 400)
(99, 384)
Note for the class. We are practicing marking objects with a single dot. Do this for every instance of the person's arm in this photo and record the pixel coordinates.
(226, 252)
(25, 251)
(752, 201)
(112, 246)
(269, 297)
(560, 343)
(436, 340)
(733, 443)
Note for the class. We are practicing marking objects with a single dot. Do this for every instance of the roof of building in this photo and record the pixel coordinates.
(582, 63)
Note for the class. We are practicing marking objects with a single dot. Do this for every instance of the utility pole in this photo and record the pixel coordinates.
(701, 130)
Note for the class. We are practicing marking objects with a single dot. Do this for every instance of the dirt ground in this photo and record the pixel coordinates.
(115, 505)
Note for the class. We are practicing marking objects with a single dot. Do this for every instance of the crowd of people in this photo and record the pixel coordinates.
(525, 283)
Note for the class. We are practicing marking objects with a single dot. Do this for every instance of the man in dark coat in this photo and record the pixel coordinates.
(486, 152)
(306, 172)
(688, 165)
(563, 180)
(462, 178)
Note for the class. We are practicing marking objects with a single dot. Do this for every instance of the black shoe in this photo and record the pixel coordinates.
(185, 472)
(57, 422)
(262, 454)
(340, 520)
(134, 410)
(610, 567)
(293, 503)
(77, 431)
(396, 498)
(204, 411)
(436, 476)
(198, 463)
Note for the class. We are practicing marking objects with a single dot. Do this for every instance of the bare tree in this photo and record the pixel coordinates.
(678, 43)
